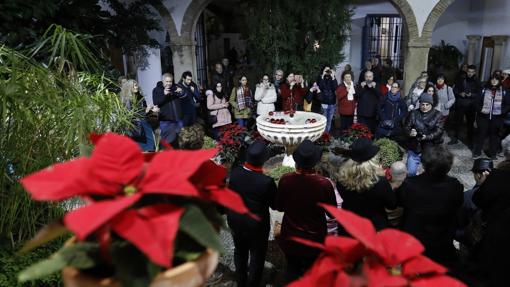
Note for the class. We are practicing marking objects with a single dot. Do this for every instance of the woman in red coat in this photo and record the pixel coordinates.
(385, 88)
(292, 93)
(346, 104)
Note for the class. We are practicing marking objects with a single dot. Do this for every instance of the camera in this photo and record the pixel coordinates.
(328, 72)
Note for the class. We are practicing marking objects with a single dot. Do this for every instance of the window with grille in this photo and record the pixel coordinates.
(383, 36)
(200, 52)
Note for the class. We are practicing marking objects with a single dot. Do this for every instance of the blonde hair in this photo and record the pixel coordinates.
(359, 176)
(126, 93)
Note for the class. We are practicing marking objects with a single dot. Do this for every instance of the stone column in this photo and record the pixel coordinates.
(499, 41)
(416, 59)
(183, 56)
(473, 41)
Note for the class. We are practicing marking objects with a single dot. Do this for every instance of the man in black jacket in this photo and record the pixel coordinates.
(368, 97)
(190, 98)
(250, 236)
(327, 85)
(425, 129)
(166, 95)
(467, 91)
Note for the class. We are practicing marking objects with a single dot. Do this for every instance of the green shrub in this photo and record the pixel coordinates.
(208, 143)
(389, 153)
(277, 172)
(11, 264)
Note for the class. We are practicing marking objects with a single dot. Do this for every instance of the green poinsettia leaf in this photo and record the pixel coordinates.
(187, 255)
(132, 267)
(197, 226)
(43, 236)
(43, 268)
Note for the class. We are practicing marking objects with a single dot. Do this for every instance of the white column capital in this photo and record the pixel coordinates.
(499, 39)
(474, 38)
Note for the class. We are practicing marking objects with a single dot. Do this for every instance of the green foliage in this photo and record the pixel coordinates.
(282, 34)
(208, 143)
(45, 117)
(197, 226)
(445, 55)
(389, 151)
(11, 264)
(277, 172)
(124, 25)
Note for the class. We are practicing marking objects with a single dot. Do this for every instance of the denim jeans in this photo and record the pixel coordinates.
(328, 111)
(242, 122)
(413, 162)
(149, 144)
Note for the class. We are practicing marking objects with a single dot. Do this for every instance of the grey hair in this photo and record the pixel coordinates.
(505, 144)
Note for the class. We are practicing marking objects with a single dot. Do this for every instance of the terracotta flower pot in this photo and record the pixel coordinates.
(189, 274)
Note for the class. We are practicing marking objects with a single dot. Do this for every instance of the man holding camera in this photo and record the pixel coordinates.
(327, 85)
(166, 95)
(425, 129)
(190, 99)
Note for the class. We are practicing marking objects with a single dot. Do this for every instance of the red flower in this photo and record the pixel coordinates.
(389, 258)
(116, 177)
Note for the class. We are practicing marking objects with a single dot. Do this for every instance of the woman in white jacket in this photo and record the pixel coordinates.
(265, 95)
(445, 96)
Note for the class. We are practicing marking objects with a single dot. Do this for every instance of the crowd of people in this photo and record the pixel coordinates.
(421, 198)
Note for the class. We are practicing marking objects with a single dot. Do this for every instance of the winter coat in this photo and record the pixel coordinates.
(391, 113)
(266, 97)
(328, 88)
(190, 98)
(413, 98)
(169, 105)
(487, 94)
(258, 192)
(345, 106)
(222, 78)
(239, 114)
(292, 98)
(370, 203)
(216, 107)
(430, 207)
(467, 85)
(368, 100)
(445, 100)
(302, 216)
(429, 124)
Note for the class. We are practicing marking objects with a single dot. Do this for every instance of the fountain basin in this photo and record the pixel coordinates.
(295, 130)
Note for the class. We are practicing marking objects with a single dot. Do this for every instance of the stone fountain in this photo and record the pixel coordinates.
(290, 129)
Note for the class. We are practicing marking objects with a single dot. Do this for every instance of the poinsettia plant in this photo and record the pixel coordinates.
(386, 258)
(143, 213)
(355, 132)
(232, 140)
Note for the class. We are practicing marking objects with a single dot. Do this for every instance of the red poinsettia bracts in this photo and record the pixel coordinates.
(117, 176)
(388, 258)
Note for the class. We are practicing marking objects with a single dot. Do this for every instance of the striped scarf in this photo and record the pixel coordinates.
(244, 98)
(492, 102)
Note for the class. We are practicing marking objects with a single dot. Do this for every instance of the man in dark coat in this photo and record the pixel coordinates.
(298, 195)
(250, 236)
(467, 91)
(431, 202)
(327, 96)
(190, 99)
(368, 97)
(166, 95)
(493, 198)
(221, 76)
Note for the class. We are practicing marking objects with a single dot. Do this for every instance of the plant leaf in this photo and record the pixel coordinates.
(45, 235)
(43, 268)
(197, 226)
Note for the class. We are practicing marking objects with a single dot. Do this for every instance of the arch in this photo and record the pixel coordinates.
(407, 14)
(193, 12)
(167, 17)
(434, 16)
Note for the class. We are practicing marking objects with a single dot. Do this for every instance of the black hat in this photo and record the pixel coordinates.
(307, 155)
(257, 153)
(426, 98)
(363, 150)
(482, 164)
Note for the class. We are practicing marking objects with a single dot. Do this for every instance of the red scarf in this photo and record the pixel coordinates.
(253, 168)
(439, 87)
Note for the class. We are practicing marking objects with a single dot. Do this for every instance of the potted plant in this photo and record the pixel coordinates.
(148, 219)
(386, 258)
(355, 132)
(231, 144)
(445, 58)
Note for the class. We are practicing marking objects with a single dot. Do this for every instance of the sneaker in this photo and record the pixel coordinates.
(453, 141)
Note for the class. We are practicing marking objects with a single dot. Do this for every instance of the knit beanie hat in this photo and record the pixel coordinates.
(426, 98)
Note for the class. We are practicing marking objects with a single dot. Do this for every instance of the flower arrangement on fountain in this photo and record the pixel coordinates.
(144, 213)
(231, 142)
(355, 132)
(387, 258)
